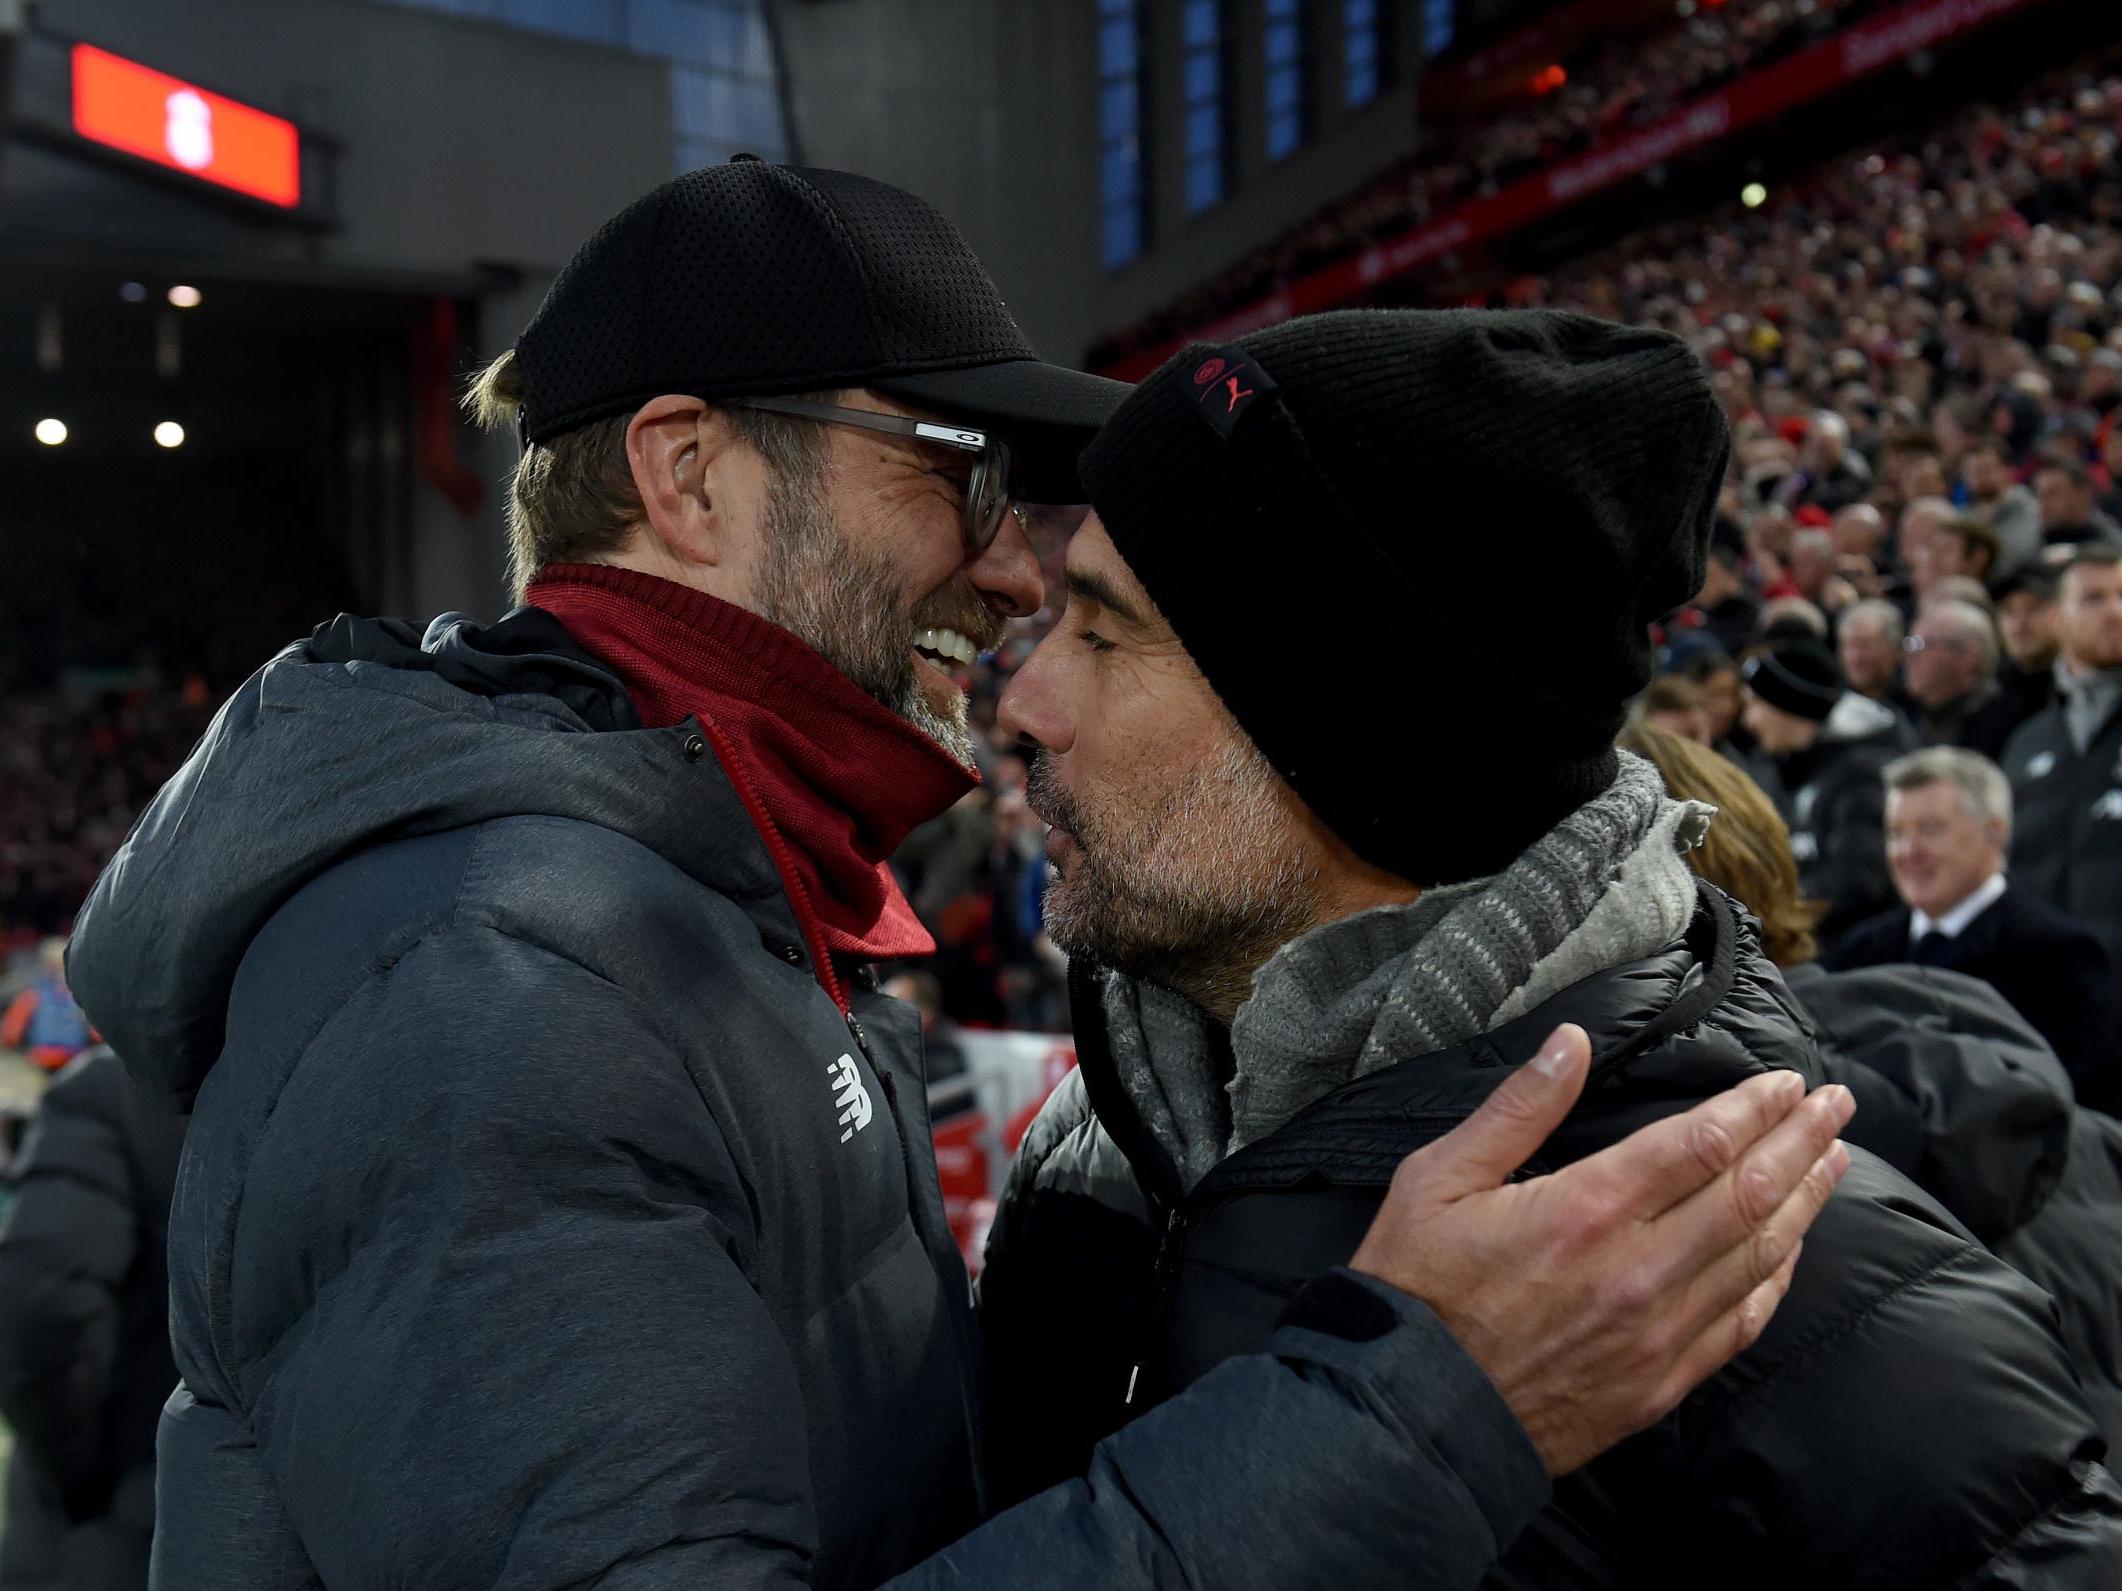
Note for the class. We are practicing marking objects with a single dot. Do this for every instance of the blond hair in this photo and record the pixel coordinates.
(1747, 851)
(573, 498)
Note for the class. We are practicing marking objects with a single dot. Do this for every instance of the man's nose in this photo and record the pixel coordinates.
(1006, 574)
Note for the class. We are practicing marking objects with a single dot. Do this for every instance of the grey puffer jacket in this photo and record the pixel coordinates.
(1957, 1092)
(1908, 1421)
(546, 1222)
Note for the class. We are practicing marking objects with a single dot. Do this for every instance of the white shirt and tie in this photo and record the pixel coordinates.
(1921, 925)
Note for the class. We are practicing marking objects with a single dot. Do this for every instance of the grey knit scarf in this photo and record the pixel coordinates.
(1608, 885)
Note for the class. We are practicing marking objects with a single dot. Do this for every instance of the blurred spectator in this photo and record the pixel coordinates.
(1868, 646)
(85, 1363)
(1948, 831)
(939, 1034)
(1727, 609)
(1965, 549)
(1676, 706)
(1829, 746)
(1830, 474)
(75, 771)
(2069, 514)
(1922, 543)
(2065, 764)
(2026, 620)
(2000, 502)
(1953, 1087)
(43, 1021)
(1952, 680)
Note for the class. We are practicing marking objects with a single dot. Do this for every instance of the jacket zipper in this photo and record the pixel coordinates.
(778, 852)
(1166, 1268)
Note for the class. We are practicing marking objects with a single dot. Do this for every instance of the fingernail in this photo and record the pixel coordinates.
(1843, 1104)
(1553, 1059)
(1789, 1085)
(1837, 1159)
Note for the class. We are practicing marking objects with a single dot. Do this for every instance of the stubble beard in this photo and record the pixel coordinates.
(1196, 893)
(840, 600)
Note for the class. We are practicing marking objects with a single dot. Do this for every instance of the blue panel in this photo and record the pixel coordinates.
(1285, 134)
(1440, 20)
(1116, 47)
(1204, 185)
(1204, 132)
(1204, 77)
(1285, 94)
(1118, 110)
(1203, 24)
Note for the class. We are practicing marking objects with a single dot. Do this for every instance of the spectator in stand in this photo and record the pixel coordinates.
(1954, 1088)
(1813, 571)
(944, 1054)
(1674, 705)
(1831, 474)
(1953, 695)
(1868, 646)
(1948, 831)
(1829, 746)
(1918, 539)
(85, 1364)
(2065, 764)
(1729, 610)
(43, 1021)
(2111, 471)
(1964, 549)
(2069, 514)
(1998, 501)
(2026, 621)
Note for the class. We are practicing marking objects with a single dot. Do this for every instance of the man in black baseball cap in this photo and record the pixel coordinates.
(1338, 865)
(560, 1206)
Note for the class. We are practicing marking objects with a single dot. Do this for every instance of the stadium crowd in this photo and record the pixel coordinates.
(1607, 87)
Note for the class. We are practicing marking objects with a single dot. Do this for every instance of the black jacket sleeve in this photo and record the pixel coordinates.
(65, 1249)
(1851, 874)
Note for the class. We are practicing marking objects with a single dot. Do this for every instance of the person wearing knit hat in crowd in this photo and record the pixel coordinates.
(1829, 745)
(522, 973)
(1293, 960)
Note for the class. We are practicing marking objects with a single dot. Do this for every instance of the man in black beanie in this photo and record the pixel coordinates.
(1830, 747)
(1294, 962)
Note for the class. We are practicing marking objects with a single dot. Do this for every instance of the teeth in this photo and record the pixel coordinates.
(947, 643)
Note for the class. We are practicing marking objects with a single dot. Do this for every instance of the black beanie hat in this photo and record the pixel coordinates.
(1799, 676)
(1418, 553)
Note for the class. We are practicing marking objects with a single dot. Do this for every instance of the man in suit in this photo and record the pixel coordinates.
(1948, 828)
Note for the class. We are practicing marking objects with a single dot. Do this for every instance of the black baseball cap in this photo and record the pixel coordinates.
(755, 280)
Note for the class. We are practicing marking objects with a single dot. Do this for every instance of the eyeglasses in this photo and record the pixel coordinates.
(1930, 643)
(986, 493)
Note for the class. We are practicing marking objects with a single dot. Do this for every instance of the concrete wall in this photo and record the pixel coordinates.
(989, 109)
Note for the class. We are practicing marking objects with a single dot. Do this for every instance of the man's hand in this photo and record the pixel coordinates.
(1600, 1296)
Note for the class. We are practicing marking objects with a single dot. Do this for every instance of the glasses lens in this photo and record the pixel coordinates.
(987, 496)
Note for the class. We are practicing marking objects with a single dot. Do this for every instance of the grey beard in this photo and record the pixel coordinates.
(831, 595)
(1193, 897)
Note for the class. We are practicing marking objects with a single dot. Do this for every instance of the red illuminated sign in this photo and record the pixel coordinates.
(127, 106)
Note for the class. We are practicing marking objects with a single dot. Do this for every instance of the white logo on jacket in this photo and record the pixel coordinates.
(2109, 805)
(849, 1095)
(2040, 765)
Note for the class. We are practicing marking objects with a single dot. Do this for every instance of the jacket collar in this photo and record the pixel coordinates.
(1649, 1022)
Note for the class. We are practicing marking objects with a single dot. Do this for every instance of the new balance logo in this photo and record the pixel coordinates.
(849, 1095)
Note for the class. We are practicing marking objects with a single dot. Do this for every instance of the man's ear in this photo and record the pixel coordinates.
(2000, 832)
(698, 493)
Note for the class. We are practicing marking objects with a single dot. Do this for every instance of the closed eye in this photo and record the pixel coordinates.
(1095, 642)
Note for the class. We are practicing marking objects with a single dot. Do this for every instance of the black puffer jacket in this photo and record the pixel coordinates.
(544, 1221)
(1837, 811)
(84, 1331)
(1909, 1420)
(1957, 1092)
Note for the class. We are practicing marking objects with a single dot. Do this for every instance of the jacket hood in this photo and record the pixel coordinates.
(1953, 1088)
(367, 732)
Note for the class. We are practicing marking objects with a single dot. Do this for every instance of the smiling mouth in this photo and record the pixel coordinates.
(945, 649)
